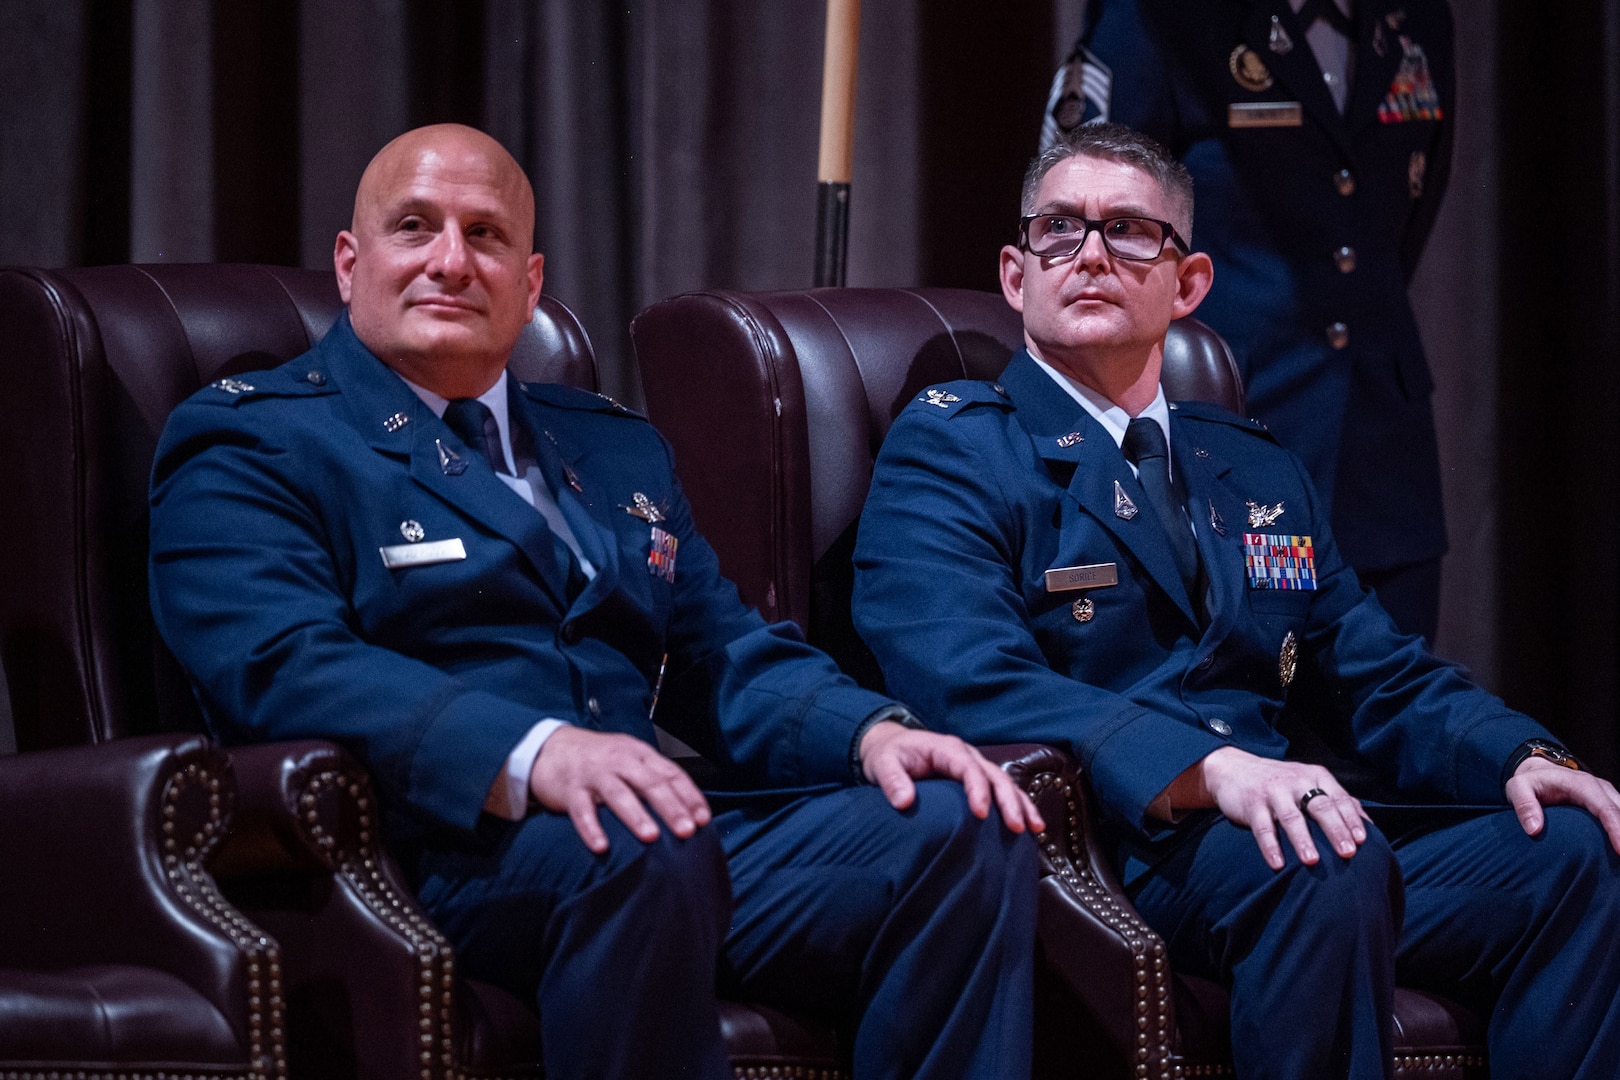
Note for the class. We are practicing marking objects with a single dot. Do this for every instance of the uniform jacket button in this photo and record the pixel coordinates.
(570, 633)
(1220, 727)
(593, 706)
(1338, 335)
(1345, 259)
(1203, 665)
(1345, 181)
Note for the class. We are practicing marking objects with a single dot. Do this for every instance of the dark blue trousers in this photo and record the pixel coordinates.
(915, 930)
(1525, 929)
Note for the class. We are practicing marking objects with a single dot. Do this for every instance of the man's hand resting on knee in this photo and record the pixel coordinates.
(578, 770)
(1264, 794)
(1539, 783)
(893, 755)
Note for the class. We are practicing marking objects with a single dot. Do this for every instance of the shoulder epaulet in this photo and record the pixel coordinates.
(1207, 412)
(949, 399)
(572, 397)
(282, 382)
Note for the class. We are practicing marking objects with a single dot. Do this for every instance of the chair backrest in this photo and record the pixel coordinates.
(92, 360)
(777, 403)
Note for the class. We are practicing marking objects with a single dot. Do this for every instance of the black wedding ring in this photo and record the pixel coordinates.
(1305, 799)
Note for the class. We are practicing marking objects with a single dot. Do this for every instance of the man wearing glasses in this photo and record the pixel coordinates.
(1063, 556)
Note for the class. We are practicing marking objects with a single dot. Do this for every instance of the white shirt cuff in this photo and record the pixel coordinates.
(509, 795)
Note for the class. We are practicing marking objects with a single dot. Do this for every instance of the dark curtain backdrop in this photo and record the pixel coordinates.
(672, 144)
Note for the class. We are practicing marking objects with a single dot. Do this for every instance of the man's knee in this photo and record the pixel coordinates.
(1325, 908)
(1573, 851)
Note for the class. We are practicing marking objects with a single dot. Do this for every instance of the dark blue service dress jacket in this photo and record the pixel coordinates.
(1315, 221)
(982, 488)
(276, 499)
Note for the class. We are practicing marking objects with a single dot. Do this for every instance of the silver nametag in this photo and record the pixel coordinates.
(1094, 576)
(1264, 114)
(397, 555)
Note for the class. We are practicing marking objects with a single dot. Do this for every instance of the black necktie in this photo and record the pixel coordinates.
(472, 421)
(1144, 446)
(1329, 12)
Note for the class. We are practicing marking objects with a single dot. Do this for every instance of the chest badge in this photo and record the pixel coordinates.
(1288, 659)
(412, 530)
(643, 508)
(661, 556)
(1083, 609)
(1279, 562)
(1123, 507)
(450, 462)
(1261, 515)
(1249, 70)
(1411, 94)
(939, 397)
(1278, 40)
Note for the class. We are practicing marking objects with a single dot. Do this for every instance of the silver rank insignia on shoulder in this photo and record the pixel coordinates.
(938, 397)
(233, 386)
(1288, 659)
(643, 509)
(394, 423)
(1123, 507)
(1260, 515)
(450, 462)
(1215, 521)
(1083, 609)
(1073, 438)
(412, 531)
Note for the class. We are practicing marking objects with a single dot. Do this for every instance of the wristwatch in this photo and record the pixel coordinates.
(1543, 749)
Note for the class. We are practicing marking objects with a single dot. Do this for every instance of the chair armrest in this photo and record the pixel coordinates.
(366, 972)
(106, 846)
(1104, 959)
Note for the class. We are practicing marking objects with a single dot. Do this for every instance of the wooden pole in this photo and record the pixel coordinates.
(836, 162)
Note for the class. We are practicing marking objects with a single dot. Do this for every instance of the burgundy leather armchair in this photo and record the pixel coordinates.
(776, 404)
(118, 956)
(95, 360)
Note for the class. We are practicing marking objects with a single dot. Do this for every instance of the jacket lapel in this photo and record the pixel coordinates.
(1378, 53)
(397, 424)
(1220, 518)
(1296, 69)
(580, 498)
(1091, 467)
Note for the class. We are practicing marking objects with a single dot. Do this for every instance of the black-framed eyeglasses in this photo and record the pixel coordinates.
(1053, 236)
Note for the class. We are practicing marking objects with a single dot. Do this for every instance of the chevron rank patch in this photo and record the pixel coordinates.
(1279, 561)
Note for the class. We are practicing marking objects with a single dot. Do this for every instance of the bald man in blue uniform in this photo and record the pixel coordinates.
(1318, 134)
(480, 587)
(1064, 556)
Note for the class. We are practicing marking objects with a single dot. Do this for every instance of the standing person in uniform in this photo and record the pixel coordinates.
(1318, 134)
(475, 584)
(1063, 556)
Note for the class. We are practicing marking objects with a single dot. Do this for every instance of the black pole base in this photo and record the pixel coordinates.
(832, 233)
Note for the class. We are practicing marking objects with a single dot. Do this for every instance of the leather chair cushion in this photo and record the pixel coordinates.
(110, 1013)
(1426, 1026)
